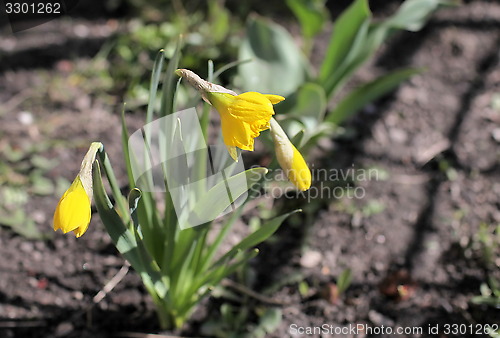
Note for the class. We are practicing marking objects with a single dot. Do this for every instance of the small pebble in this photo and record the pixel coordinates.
(25, 117)
(495, 133)
(311, 259)
(379, 319)
(64, 329)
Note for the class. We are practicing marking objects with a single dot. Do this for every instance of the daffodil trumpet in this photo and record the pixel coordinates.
(243, 116)
(289, 158)
(73, 212)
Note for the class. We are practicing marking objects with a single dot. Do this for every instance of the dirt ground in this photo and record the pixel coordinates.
(435, 143)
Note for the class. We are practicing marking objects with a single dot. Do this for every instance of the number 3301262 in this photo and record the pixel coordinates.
(32, 8)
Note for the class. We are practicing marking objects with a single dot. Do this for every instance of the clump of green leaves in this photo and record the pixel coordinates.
(178, 266)
(279, 66)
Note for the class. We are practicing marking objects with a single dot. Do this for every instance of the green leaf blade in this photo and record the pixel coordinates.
(369, 92)
(277, 66)
(342, 38)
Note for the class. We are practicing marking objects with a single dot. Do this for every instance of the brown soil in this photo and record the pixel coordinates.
(422, 240)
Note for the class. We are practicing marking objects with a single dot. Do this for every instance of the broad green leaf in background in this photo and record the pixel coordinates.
(269, 321)
(413, 14)
(297, 138)
(308, 105)
(22, 224)
(41, 184)
(368, 92)
(219, 20)
(311, 14)
(257, 237)
(277, 66)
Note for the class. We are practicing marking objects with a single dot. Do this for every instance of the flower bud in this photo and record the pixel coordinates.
(290, 159)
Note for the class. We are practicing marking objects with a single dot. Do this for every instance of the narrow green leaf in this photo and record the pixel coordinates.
(133, 202)
(126, 152)
(216, 200)
(113, 182)
(125, 241)
(228, 66)
(169, 82)
(358, 98)
(230, 269)
(212, 248)
(155, 82)
(413, 14)
(224, 269)
(344, 33)
(491, 301)
(358, 53)
(257, 237)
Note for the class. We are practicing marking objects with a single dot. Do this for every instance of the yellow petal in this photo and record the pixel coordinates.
(73, 210)
(274, 98)
(299, 174)
(248, 107)
(237, 133)
(251, 107)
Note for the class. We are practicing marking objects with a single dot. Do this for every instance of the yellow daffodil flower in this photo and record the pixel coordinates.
(290, 159)
(243, 116)
(73, 210)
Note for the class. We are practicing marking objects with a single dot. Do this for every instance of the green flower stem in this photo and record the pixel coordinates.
(113, 183)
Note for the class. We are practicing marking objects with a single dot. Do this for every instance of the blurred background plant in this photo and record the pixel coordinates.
(312, 109)
(209, 32)
(22, 176)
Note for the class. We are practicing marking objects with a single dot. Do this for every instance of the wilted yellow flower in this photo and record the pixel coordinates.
(290, 159)
(73, 210)
(243, 116)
